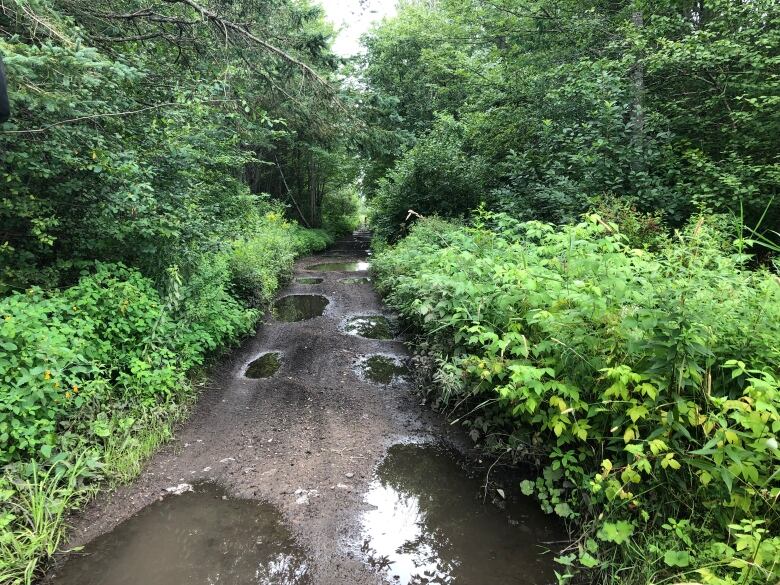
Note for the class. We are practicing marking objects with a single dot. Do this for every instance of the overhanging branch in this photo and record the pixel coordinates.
(221, 24)
(224, 24)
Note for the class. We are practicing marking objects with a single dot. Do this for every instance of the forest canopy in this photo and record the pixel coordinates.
(145, 134)
(538, 107)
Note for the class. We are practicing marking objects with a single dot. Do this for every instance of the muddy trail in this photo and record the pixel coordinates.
(308, 459)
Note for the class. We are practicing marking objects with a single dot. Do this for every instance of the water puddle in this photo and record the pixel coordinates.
(429, 525)
(382, 369)
(265, 366)
(340, 266)
(308, 280)
(371, 326)
(299, 307)
(356, 280)
(197, 538)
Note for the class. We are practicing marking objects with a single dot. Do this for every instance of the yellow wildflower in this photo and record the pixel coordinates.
(75, 388)
(47, 375)
(67, 394)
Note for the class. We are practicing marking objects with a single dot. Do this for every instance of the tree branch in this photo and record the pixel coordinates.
(105, 115)
(224, 24)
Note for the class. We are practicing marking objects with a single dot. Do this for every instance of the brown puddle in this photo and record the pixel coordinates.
(299, 307)
(197, 538)
(265, 366)
(428, 524)
(340, 266)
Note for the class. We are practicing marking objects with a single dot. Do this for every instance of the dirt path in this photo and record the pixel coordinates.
(314, 425)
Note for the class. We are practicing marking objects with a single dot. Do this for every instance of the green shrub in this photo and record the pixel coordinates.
(93, 376)
(647, 384)
(340, 211)
(435, 177)
(64, 354)
(259, 263)
(205, 314)
(308, 241)
(640, 230)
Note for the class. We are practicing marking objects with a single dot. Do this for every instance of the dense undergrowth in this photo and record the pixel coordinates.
(96, 374)
(643, 380)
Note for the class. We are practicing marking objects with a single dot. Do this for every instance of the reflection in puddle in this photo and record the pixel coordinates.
(356, 280)
(371, 326)
(429, 525)
(299, 307)
(197, 538)
(382, 369)
(265, 366)
(308, 280)
(340, 266)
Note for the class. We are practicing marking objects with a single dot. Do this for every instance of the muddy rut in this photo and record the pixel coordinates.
(316, 424)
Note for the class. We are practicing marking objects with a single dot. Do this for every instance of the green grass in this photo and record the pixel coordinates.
(125, 456)
(37, 507)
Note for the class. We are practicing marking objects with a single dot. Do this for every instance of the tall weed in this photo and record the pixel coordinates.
(260, 262)
(645, 383)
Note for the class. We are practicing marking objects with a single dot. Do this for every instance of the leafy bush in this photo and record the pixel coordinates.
(640, 230)
(340, 211)
(99, 370)
(646, 384)
(205, 313)
(258, 263)
(435, 177)
(66, 357)
(308, 241)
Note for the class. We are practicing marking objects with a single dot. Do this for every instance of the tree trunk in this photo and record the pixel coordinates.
(312, 192)
(637, 111)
